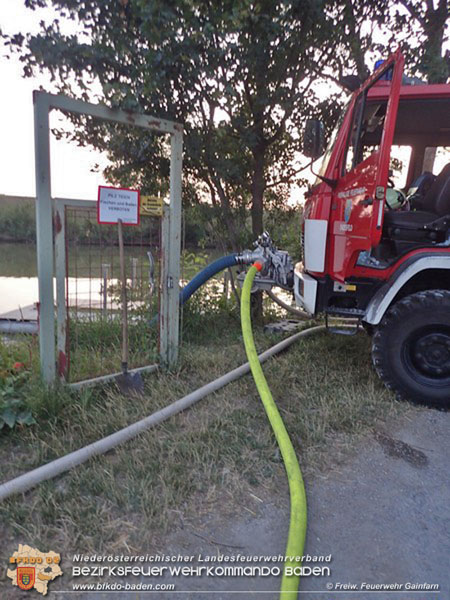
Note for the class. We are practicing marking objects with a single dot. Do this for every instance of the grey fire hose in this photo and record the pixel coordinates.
(60, 465)
(298, 313)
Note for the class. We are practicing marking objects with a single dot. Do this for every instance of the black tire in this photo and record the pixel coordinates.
(411, 348)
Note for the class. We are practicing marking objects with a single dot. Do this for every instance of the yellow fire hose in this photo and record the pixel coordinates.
(297, 525)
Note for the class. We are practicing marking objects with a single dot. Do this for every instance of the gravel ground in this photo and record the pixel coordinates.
(383, 516)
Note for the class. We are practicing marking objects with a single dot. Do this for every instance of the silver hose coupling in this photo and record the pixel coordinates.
(278, 267)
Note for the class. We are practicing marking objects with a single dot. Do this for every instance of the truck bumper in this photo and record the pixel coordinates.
(305, 290)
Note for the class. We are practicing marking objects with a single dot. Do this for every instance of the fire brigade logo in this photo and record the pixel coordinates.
(33, 569)
(26, 577)
(348, 210)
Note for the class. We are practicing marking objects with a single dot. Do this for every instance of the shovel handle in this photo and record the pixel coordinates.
(124, 299)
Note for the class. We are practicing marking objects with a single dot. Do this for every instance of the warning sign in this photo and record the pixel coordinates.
(117, 203)
(152, 206)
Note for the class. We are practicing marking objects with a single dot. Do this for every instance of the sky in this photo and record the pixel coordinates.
(70, 165)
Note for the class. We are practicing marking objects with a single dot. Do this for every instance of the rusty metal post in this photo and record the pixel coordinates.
(60, 272)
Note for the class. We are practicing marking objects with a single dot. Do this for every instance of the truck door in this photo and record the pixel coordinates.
(363, 170)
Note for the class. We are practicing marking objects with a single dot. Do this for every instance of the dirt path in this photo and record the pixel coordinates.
(384, 517)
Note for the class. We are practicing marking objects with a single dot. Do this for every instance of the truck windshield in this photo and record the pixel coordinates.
(331, 142)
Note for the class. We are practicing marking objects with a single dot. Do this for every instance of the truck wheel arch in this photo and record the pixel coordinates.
(430, 271)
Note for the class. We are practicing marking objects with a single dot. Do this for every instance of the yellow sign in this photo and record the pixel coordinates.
(151, 206)
(34, 569)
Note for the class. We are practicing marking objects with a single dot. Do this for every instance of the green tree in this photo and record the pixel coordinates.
(374, 28)
(238, 74)
(426, 23)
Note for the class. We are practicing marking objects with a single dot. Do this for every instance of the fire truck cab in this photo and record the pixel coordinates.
(379, 250)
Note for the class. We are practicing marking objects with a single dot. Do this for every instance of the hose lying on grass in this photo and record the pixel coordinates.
(65, 463)
(297, 525)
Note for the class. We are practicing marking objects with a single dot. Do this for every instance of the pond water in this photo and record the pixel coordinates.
(19, 282)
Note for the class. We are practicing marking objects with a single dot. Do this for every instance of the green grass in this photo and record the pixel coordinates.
(324, 386)
(96, 346)
(96, 342)
(18, 222)
(203, 226)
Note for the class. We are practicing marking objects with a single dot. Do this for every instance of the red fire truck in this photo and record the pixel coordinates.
(376, 252)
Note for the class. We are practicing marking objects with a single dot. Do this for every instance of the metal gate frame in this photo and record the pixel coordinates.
(50, 232)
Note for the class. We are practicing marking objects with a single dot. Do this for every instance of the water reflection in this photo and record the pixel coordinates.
(19, 290)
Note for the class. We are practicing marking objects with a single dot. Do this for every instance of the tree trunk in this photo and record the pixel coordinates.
(228, 218)
(224, 204)
(256, 306)
(258, 186)
(434, 64)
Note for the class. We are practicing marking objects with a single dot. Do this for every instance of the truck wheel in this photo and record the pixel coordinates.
(411, 348)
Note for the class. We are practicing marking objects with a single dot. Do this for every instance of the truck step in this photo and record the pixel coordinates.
(345, 312)
(343, 325)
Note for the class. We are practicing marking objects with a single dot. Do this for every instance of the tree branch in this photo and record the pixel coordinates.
(288, 178)
(413, 11)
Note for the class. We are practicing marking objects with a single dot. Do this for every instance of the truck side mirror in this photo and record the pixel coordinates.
(313, 138)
